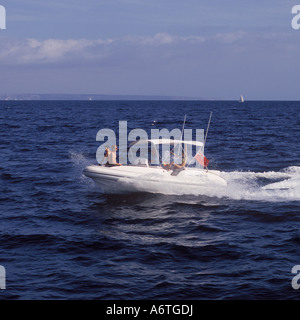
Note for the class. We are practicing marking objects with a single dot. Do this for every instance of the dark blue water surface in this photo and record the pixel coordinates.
(61, 238)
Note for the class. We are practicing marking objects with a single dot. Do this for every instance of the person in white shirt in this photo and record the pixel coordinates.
(112, 156)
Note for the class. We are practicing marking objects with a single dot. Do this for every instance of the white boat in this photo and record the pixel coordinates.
(143, 177)
(242, 98)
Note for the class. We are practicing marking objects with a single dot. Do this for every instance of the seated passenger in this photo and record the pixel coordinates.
(112, 157)
(106, 153)
(177, 167)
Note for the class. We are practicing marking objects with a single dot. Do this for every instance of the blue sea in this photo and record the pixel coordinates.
(62, 238)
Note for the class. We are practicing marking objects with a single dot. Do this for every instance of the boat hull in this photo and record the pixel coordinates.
(129, 179)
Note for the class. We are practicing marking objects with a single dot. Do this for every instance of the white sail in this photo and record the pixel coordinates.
(242, 98)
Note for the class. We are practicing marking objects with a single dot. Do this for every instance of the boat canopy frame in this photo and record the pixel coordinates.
(171, 142)
(168, 141)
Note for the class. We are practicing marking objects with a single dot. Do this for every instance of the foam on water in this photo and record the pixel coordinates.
(265, 186)
(251, 186)
(260, 186)
(80, 161)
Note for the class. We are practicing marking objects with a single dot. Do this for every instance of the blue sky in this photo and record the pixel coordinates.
(195, 48)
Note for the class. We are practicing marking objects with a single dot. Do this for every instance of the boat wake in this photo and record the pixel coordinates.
(263, 186)
(268, 186)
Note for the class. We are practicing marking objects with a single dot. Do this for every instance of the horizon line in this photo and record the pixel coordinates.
(112, 97)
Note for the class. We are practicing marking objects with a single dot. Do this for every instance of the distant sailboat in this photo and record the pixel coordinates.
(242, 98)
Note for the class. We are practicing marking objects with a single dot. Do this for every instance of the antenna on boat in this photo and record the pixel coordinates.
(201, 150)
(183, 126)
(182, 130)
(207, 130)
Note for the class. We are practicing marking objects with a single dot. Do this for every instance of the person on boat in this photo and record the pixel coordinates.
(112, 157)
(105, 158)
(177, 167)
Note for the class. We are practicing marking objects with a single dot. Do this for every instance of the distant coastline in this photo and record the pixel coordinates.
(90, 97)
(109, 97)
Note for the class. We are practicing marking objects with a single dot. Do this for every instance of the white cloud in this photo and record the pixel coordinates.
(33, 51)
(119, 50)
(230, 37)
